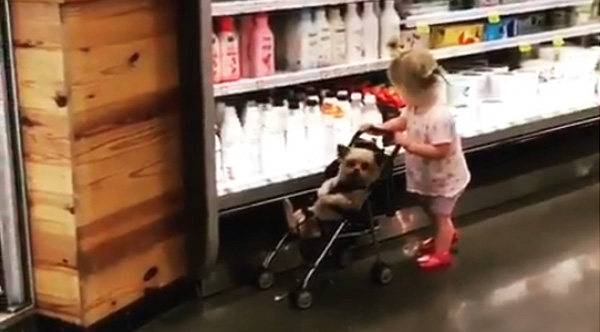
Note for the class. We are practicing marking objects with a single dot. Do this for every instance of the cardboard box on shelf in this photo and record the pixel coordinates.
(459, 34)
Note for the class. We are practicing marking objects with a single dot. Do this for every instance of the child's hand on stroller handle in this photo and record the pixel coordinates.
(370, 128)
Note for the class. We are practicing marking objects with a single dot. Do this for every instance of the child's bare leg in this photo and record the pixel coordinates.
(444, 233)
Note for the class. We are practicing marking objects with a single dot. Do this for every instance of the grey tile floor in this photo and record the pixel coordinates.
(533, 269)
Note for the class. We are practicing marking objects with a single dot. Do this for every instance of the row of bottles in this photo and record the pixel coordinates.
(250, 55)
(276, 138)
(310, 39)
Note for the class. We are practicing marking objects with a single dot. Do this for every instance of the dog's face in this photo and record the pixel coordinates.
(359, 166)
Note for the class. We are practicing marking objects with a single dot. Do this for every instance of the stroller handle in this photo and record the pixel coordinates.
(371, 130)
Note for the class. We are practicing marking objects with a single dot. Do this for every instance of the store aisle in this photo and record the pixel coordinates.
(535, 268)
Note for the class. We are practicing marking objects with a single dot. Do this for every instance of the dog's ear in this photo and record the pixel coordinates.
(379, 156)
(342, 151)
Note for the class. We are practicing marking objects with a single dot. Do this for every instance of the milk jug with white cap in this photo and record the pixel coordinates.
(354, 35)
(390, 29)
(370, 112)
(303, 43)
(315, 132)
(233, 146)
(219, 160)
(324, 33)
(273, 148)
(338, 36)
(355, 110)
(370, 31)
(252, 132)
(296, 137)
(343, 121)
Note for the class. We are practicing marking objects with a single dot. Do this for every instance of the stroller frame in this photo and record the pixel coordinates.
(381, 274)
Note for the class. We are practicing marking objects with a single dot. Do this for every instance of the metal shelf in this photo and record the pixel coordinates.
(313, 75)
(483, 139)
(532, 39)
(484, 12)
(239, 7)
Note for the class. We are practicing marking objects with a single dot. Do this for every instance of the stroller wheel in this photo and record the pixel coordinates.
(265, 279)
(301, 299)
(381, 274)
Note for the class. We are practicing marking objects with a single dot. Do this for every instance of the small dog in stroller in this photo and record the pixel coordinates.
(340, 215)
(355, 170)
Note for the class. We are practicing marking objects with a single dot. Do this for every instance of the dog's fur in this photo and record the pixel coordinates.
(359, 167)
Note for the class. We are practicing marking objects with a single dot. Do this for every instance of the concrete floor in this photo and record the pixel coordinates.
(535, 268)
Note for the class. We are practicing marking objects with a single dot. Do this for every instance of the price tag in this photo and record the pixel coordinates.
(494, 17)
(423, 29)
(558, 42)
(525, 48)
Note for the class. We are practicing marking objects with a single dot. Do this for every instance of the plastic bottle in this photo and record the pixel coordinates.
(356, 110)
(370, 113)
(338, 36)
(312, 93)
(325, 45)
(263, 47)
(219, 161)
(273, 139)
(230, 51)
(252, 132)
(354, 35)
(370, 31)
(343, 124)
(216, 59)
(315, 132)
(390, 28)
(303, 43)
(296, 151)
(233, 146)
(329, 106)
(328, 109)
(246, 42)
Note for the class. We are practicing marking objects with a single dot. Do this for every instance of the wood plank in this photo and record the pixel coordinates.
(53, 207)
(49, 178)
(38, 36)
(121, 21)
(110, 74)
(41, 79)
(130, 279)
(55, 244)
(36, 25)
(46, 137)
(129, 232)
(154, 56)
(123, 151)
(57, 293)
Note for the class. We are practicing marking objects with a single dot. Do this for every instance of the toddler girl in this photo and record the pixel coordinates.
(436, 170)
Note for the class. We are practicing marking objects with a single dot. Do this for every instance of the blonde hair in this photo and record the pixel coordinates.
(415, 71)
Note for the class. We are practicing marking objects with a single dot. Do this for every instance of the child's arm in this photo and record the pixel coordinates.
(429, 151)
(397, 124)
(441, 133)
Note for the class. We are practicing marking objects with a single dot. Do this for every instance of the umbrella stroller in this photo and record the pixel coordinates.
(338, 237)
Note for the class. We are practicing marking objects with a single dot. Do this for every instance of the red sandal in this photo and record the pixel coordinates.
(434, 262)
(427, 247)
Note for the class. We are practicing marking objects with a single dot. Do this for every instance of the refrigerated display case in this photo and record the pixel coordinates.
(16, 301)
(529, 120)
